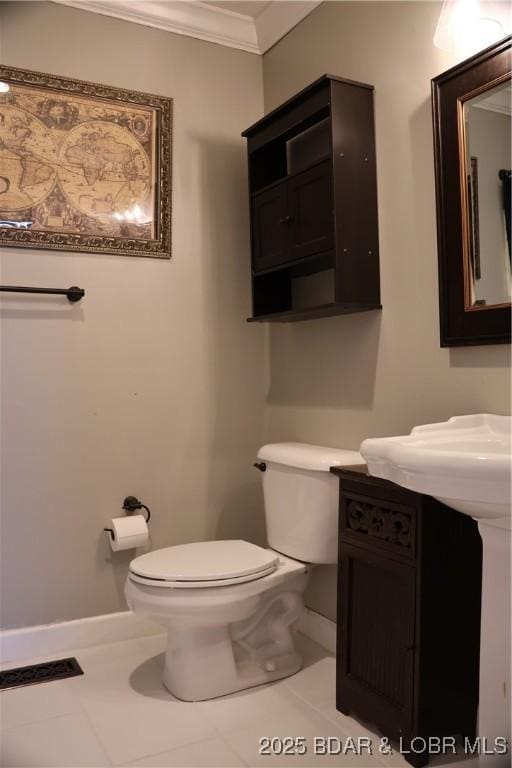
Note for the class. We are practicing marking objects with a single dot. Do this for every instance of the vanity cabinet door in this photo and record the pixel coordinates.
(409, 584)
(310, 202)
(270, 229)
(376, 635)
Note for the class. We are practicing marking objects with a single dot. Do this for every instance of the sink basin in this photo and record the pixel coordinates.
(464, 462)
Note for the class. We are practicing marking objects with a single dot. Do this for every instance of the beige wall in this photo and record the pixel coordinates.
(153, 384)
(339, 380)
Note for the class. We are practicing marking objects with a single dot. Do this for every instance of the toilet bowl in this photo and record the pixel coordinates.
(221, 639)
(229, 607)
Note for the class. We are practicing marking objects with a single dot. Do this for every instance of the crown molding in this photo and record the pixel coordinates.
(206, 22)
(183, 18)
(278, 18)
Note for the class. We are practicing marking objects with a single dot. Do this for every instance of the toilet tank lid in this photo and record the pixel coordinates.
(306, 456)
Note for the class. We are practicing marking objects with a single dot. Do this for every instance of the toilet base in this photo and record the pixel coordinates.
(224, 639)
(246, 675)
(207, 662)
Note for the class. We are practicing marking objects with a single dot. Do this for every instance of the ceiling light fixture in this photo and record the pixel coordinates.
(468, 26)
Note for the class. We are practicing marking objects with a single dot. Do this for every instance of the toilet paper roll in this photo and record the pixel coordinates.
(129, 532)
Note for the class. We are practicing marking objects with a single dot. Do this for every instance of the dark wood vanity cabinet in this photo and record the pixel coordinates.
(409, 591)
(313, 193)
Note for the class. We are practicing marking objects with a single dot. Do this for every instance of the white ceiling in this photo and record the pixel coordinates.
(251, 25)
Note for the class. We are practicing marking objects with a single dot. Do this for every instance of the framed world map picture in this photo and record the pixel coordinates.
(83, 167)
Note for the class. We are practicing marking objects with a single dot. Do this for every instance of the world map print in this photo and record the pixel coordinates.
(76, 165)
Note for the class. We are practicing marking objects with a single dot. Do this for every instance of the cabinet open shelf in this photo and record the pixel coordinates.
(312, 186)
(311, 313)
(298, 146)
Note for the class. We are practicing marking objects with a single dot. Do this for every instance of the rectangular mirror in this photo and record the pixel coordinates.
(485, 145)
(472, 145)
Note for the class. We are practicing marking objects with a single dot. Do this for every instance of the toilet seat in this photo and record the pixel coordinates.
(203, 564)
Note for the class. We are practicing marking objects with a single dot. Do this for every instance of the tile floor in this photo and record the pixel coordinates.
(118, 713)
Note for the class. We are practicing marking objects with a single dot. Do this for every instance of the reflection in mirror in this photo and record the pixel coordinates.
(486, 196)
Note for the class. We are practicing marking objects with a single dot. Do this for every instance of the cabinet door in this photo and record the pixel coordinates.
(376, 618)
(270, 229)
(310, 204)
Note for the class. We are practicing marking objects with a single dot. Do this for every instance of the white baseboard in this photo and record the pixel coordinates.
(49, 639)
(318, 628)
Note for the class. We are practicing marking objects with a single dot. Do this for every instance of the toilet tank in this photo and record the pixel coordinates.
(301, 499)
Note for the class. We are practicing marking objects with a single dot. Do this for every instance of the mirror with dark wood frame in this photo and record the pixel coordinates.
(472, 112)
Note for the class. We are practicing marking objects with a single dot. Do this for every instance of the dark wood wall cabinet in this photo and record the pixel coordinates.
(313, 197)
(409, 592)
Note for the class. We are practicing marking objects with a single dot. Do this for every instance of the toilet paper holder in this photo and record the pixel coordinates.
(130, 505)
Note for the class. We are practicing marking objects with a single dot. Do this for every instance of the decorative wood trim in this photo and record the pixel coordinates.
(379, 523)
(379, 520)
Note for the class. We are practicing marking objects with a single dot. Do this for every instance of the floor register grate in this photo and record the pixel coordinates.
(39, 673)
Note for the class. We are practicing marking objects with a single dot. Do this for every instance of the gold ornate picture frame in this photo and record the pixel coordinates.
(84, 167)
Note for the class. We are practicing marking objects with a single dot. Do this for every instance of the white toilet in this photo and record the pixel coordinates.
(229, 606)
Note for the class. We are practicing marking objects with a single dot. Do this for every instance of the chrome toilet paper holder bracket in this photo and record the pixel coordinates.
(131, 504)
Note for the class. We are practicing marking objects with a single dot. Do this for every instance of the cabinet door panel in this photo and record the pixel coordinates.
(310, 202)
(376, 638)
(270, 229)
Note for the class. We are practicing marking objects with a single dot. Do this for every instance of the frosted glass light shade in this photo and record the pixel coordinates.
(468, 26)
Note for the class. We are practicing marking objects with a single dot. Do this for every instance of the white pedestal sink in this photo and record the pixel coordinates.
(466, 463)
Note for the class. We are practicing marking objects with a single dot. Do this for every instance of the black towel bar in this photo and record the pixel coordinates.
(73, 293)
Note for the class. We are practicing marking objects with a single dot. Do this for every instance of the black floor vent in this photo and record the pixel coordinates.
(39, 673)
